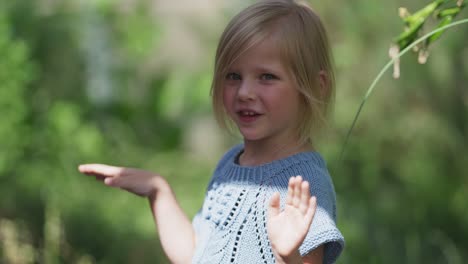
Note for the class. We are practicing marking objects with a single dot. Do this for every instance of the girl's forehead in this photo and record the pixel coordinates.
(263, 51)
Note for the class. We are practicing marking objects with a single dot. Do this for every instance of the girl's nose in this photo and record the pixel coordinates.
(246, 91)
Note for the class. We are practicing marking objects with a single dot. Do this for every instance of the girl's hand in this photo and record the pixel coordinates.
(175, 230)
(288, 228)
(139, 182)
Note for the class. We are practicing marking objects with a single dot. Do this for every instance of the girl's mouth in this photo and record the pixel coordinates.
(247, 116)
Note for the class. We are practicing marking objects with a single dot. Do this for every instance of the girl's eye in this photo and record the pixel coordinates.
(268, 77)
(233, 76)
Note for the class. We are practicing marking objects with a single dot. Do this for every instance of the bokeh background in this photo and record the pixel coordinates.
(127, 83)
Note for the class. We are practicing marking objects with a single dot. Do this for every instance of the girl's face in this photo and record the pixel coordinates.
(260, 96)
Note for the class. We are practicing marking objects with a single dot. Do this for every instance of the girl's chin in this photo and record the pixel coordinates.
(251, 133)
(249, 136)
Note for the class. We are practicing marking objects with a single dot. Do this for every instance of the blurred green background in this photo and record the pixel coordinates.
(127, 83)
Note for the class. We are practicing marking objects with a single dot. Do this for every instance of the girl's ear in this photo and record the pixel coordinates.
(323, 82)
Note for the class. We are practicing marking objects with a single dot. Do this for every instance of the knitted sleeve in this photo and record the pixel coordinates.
(323, 230)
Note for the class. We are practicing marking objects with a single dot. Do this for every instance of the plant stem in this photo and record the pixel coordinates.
(385, 68)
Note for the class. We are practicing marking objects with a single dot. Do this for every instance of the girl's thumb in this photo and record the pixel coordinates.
(108, 181)
(274, 208)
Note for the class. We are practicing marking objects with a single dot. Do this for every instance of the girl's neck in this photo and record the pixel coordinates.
(258, 153)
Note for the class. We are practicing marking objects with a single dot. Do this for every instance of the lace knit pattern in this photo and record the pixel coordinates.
(231, 226)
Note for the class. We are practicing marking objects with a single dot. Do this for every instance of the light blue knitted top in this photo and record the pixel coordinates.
(231, 226)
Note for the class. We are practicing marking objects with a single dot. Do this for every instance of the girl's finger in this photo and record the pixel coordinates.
(297, 191)
(311, 210)
(100, 170)
(290, 195)
(305, 196)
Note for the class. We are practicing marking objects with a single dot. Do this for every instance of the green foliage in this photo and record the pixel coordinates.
(443, 10)
(49, 126)
(15, 73)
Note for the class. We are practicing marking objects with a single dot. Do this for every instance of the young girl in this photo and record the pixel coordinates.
(273, 80)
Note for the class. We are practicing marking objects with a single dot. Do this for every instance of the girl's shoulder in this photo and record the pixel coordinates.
(310, 165)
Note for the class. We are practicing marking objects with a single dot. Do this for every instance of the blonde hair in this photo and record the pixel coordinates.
(304, 50)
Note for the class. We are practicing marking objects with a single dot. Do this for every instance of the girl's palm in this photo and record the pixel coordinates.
(288, 228)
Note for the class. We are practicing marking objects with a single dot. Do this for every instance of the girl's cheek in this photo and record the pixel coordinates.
(228, 96)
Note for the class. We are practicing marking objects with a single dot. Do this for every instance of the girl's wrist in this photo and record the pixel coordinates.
(293, 258)
(159, 185)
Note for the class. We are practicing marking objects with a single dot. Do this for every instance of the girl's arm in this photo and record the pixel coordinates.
(287, 229)
(314, 257)
(175, 229)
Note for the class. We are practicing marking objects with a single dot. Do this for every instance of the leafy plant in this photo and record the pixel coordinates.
(410, 39)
